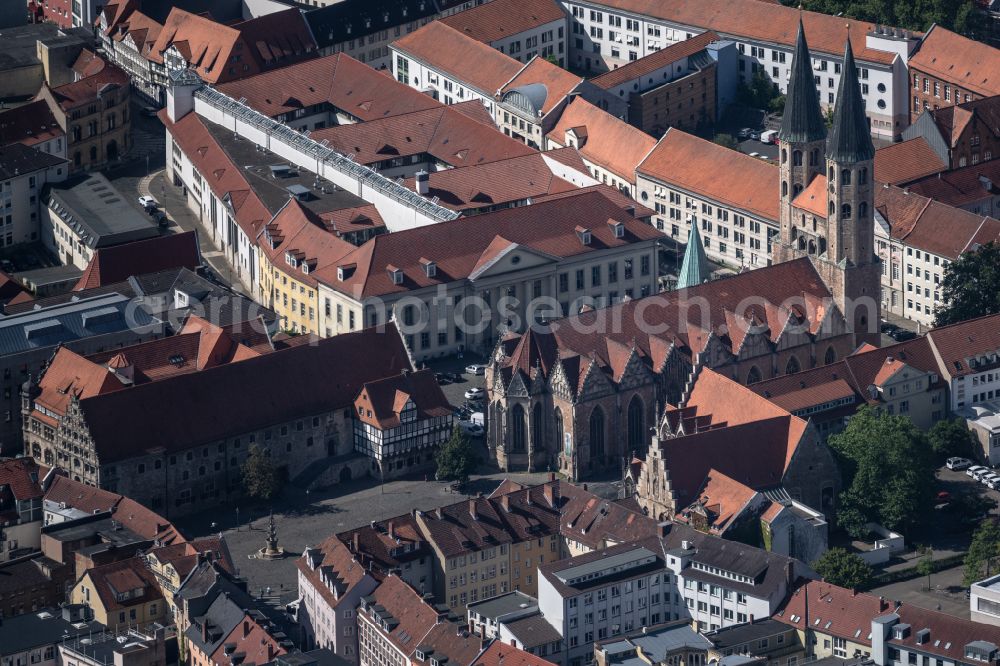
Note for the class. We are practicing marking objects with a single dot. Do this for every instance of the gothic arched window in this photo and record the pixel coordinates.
(754, 376)
(517, 429)
(597, 434)
(636, 425)
(796, 158)
(862, 210)
(863, 176)
(845, 177)
(537, 429)
(784, 188)
(792, 366)
(831, 356)
(845, 212)
(558, 423)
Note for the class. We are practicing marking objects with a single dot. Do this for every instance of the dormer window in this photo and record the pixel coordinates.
(395, 274)
(291, 260)
(583, 234)
(305, 266)
(617, 228)
(345, 272)
(430, 267)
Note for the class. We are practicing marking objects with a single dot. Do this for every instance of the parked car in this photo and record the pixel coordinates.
(902, 334)
(975, 471)
(943, 496)
(770, 136)
(475, 369)
(982, 474)
(989, 478)
(958, 463)
(161, 219)
(744, 133)
(755, 135)
(475, 393)
(887, 327)
(147, 202)
(993, 483)
(441, 378)
(471, 429)
(755, 154)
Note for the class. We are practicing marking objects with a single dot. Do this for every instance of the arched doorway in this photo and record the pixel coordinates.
(597, 435)
(830, 357)
(753, 376)
(636, 425)
(112, 150)
(517, 429)
(345, 474)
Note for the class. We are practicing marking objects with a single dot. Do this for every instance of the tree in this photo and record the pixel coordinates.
(840, 567)
(760, 92)
(925, 567)
(261, 477)
(951, 438)
(888, 472)
(726, 140)
(985, 548)
(457, 458)
(971, 286)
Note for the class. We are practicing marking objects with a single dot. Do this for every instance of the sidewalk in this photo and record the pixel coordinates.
(182, 218)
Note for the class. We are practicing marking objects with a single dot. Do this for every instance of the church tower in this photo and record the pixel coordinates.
(827, 209)
(801, 142)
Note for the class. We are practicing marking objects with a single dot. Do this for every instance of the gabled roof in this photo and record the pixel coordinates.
(387, 544)
(349, 85)
(458, 247)
(29, 124)
(832, 610)
(952, 121)
(951, 57)
(23, 477)
(850, 138)
(715, 172)
(610, 142)
(120, 262)
(722, 498)
(956, 344)
(124, 576)
(543, 82)
(906, 161)
(932, 226)
(965, 186)
(814, 198)
(501, 19)
(802, 120)
(413, 616)
(500, 654)
(445, 49)
(327, 376)
(353, 19)
(458, 135)
(80, 496)
(654, 61)
(383, 400)
(503, 181)
(301, 233)
(332, 570)
(101, 75)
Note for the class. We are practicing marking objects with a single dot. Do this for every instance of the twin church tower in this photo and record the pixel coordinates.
(827, 190)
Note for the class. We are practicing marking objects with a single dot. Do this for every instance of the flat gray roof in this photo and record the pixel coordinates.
(98, 212)
(504, 604)
(616, 563)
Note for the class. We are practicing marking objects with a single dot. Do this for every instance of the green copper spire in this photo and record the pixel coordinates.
(695, 268)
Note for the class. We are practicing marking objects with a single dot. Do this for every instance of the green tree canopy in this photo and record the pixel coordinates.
(456, 459)
(840, 567)
(261, 477)
(951, 438)
(726, 140)
(983, 551)
(957, 15)
(761, 92)
(971, 286)
(888, 472)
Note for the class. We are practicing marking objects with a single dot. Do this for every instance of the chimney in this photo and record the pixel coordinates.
(552, 476)
(585, 487)
(270, 651)
(881, 604)
(663, 529)
(356, 541)
(392, 530)
(439, 513)
(505, 502)
(246, 628)
(472, 508)
(204, 631)
(423, 182)
(549, 492)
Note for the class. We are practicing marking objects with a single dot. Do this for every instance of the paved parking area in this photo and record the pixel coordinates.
(946, 593)
(769, 150)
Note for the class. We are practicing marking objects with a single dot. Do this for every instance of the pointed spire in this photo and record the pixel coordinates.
(803, 120)
(695, 268)
(850, 136)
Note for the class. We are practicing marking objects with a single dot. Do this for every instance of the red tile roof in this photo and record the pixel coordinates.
(220, 53)
(414, 617)
(610, 142)
(956, 344)
(332, 570)
(654, 61)
(120, 262)
(951, 57)
(848, 613)
(299, 232)
(762, 22)
(23, 477)
(557, 81)
(813, 199)
(382, 401)
(501, 19)
(378, 545)
(961, 187)
(252, 638)
(933, 226)
(502, 181)
(460, 246)
(722, 497)
(30, 124)
(111, 580)
(339, 79)
(952, 121)
(86, 90)
(709, 170)
(949, 634)
(906, 161)
(450, 51)
(80, 496)
(458, 135)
